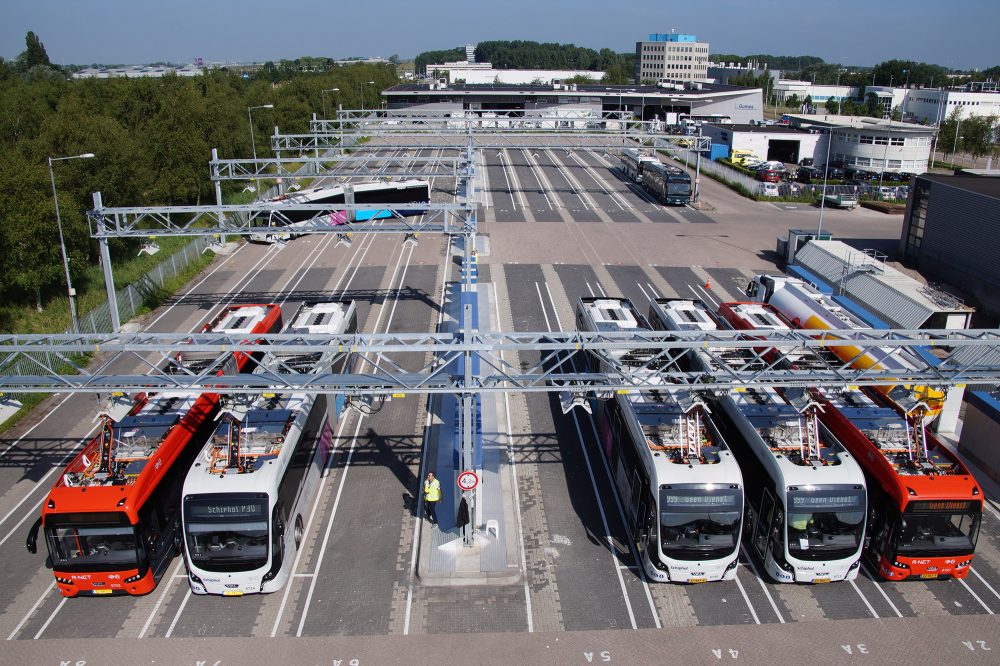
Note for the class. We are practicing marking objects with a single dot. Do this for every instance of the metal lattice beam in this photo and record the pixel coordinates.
(336, 166)
(144, 221)
(629, 361)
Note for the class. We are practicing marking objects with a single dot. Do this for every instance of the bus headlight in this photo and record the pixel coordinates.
(132, 579)
(964, 564)
(732, 565)
(900, 565)
(64, 581)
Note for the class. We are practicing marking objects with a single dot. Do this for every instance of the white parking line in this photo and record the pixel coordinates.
(974, 595)
(767, 592)
(983, 580)
(881, 591)
(31, 612)
(597, 496)
(746, 598)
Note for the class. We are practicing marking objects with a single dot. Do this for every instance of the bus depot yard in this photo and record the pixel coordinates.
(566, 227)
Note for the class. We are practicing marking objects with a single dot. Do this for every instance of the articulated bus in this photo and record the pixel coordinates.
(925, 505)
(375, 192)
(668, 184)
(111, 521)
(247, 497)
(806, 500)
(634, 163)
(679, 484)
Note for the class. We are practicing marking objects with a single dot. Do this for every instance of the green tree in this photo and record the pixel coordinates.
(34, 54)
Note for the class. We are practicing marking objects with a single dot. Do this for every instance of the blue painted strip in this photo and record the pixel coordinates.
(860, 312)
(807, 276)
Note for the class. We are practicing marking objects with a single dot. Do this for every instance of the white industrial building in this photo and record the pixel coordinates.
(482, 73)
(769, 142)
(669, 104)
(136, 71)
(671, 57)
(869, 143)
(820, 93)
(931, 105)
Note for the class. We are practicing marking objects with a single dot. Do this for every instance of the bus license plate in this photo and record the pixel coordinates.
(928, 575)
(232, 593)
(697, 580)
(821, 580)
(102, 591)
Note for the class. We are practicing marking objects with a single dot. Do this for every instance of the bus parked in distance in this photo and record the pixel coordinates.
(111, 521)
(680, 486)
(926, 507)
(634, 163)
(806, 500)
(668, 184)
(281, 222)
(247, 496)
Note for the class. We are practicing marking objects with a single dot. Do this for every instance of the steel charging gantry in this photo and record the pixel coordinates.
(374, 372)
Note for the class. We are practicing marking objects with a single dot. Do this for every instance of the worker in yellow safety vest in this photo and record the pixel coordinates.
(432, 495)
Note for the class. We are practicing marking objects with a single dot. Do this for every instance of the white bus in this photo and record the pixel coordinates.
(634, 162)
(248, 492)
(806, 499)
(679, 484)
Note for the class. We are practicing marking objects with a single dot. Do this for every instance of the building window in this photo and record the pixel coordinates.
(896, 141)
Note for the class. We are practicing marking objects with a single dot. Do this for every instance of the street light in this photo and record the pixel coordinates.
(363, 83)
(840, 96)
(253, 142)
(322, 95)
(826, 171)
(70, 292)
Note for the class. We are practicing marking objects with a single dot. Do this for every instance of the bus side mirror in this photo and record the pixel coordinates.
(177, 543)
(31, 543)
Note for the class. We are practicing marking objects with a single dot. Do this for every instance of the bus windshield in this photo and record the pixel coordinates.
(677, 185)
(226, 532)
(825, 523)
(939, 533)
(101, 545)
(699, 522)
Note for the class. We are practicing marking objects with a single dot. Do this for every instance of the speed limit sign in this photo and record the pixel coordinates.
(467, 480)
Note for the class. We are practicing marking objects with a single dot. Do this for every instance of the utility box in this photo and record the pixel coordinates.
(799, 237)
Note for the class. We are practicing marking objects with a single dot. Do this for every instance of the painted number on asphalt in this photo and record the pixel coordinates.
(733, 654)
(604, 655)
(859, 648)
(976, 645)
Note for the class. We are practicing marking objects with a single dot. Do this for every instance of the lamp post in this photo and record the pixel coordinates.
(322, 95)
(826, 171)
(70, 292)
(840, 96)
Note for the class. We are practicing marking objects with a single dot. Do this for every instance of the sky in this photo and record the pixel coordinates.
(959, 34)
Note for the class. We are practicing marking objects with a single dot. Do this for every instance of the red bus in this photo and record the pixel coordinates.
(925, 507)
(111, 520)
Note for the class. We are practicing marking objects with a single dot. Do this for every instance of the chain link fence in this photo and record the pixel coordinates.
(130, 300)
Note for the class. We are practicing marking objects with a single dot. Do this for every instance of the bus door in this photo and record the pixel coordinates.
(762, 531)
(636, 509)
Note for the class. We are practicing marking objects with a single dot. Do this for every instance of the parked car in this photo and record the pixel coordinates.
(888, 193)
(808, 174)
(769, 190)
(806, 161)
(772, 165)
(832, 172)
(769, 176)
(853, 173)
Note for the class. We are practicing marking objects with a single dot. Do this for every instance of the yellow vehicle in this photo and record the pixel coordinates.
(742, 157)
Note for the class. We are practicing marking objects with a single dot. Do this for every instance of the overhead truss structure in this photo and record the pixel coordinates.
(564, 361)
(354, 166)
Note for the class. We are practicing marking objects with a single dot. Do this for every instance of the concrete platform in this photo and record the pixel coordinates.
(493, 557)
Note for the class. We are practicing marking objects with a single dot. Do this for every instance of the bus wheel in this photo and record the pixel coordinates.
(299, 531)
